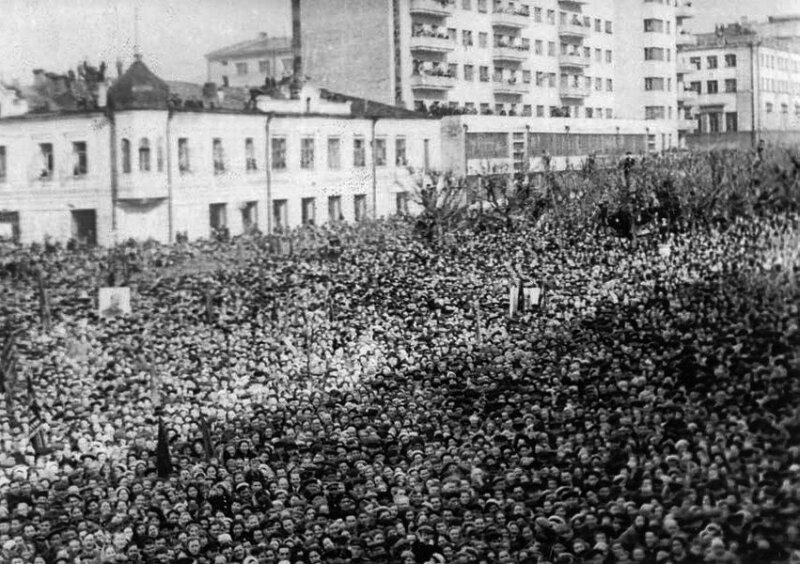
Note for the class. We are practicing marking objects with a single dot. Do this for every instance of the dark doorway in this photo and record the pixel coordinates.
(84, 227)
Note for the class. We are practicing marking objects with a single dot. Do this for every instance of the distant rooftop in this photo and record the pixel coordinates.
(261, 45)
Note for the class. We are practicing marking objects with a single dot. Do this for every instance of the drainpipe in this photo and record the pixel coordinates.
(170, 202)
(268, 169)
(114, 170)
(753, 85)
(374, 173)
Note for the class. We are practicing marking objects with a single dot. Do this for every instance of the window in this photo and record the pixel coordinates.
(47, 160)
(695, 86)
(551, 80)
(484, 74)
(3, 163)
(711, 61)
(527, 110)
(653, 25)
(538, 47)
(219, 156)
(589, 113)
(452, 34)
(587, 53)
(714, 122)
(537, 15)
(334, 153)
(401, 203)
(654, 112)
(263, 67)
(551, 17)
(712, 86)
(539, 111)
(653, 83)
(79, 159)
(483, 39)
(653, 54)
(184, 162)
(784, 108)
(730, 61)
(241, 68)
(307, 153)
(160, 154)
(731, 121)
(144, 155)
(609, 113)
(380, 152)
(250, 155)
(485, 109)
(126, 156)
(526, 76)
(280, 213)
(360, 207)
(609, 85)
(609, 27)
(466, 4)
(359, 152)
(469, 73)
(608, 56)
(308, 211)
(498, 109)
(279, 153)
(695, 62)
(598, 25)
(218, 216)
(400, 158)
(730, 85)
(249, 215)
(334, 209)
(466, 38)
(551, 49)
(225, 81)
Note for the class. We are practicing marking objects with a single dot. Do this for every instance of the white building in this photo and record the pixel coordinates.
(144, 167)
(251, 62)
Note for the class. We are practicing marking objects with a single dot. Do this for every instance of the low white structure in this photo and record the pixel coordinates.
(145, 167)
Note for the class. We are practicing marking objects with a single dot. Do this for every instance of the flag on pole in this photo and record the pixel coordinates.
(163, 460)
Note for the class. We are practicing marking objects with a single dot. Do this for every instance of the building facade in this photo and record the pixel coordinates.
(604, 60)
(143, 168)
(738, 83)
(251, 63)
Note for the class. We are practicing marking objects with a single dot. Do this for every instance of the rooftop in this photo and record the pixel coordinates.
(261, 45)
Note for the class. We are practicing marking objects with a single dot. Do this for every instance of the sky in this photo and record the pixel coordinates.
(174, 35)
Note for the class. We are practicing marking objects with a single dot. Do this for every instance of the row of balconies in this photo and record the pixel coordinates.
(500, 85)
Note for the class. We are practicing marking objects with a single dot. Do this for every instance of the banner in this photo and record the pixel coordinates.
(114, 301)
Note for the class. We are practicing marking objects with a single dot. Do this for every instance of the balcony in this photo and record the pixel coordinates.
(152, 186)
(573, 61)
(574, 92)
(686, 96)
(685, 39)
(431, 43)
(683, 10)
(510, 87)
(440, 82)
(685, 68)
(688, 125)
(511, 18)
(511, 53)
(433, 8)
(573, 29)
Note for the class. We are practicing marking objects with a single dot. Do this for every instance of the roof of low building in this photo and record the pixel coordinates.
(139, 89)
(371, 109)
(258, 46)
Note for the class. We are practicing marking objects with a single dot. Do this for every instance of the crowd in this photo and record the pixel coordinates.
(378, 405)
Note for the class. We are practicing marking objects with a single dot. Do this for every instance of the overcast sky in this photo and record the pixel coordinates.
(175, 34)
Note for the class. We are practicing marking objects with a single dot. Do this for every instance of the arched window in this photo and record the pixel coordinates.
(126, 156)
(144, 155)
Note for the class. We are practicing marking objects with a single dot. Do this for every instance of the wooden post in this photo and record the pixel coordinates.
(44, 305)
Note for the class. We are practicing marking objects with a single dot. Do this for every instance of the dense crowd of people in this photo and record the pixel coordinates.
(379, 405)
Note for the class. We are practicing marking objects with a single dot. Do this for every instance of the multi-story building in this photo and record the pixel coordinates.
(250, 63)
(602, 60)
(137, 162)
(739, 83)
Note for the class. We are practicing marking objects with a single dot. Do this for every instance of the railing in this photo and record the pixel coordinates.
(573, 28)
(509, 86)
(438, 8)
(573, 60)
(684, 10)
(517, 18)
(573, 91)
(686, 95)
(686, 38)
(511, 52)
(432, 81)
(431, 42)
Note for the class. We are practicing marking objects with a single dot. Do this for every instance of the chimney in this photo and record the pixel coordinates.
(297, 42)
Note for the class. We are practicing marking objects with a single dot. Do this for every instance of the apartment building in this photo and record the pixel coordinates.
(142, 164)
(736, 80)
(250, 63)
